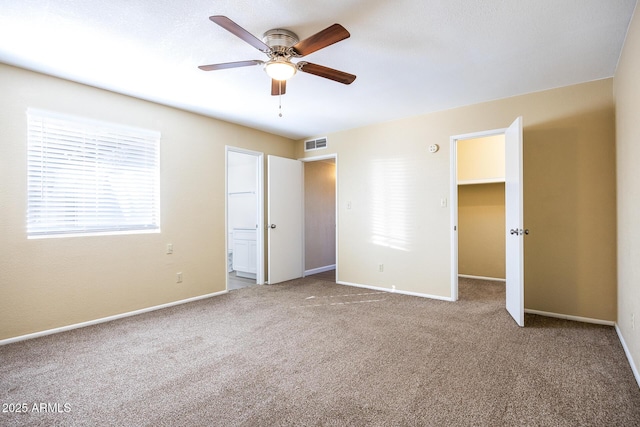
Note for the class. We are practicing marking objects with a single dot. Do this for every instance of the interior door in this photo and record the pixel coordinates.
(284, 218)
(514, 222)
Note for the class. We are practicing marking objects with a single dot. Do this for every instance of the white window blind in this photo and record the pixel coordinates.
(90, 177)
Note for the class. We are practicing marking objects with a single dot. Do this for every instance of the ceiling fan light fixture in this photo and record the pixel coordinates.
(280, 69)
(281, 46)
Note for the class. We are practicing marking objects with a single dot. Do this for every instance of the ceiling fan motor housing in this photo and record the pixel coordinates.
(280, 40)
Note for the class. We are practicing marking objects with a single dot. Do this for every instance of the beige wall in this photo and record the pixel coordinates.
(627, 96)
(320, 214)
(480, 159)
(481, 230)
(394, 187)
(49, 283)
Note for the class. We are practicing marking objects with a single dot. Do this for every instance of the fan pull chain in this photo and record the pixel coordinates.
(279, 98)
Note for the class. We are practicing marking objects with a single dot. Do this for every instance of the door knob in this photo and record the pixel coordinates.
(514, 231)
(272, 226)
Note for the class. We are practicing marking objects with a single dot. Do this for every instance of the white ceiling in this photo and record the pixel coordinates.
(411, 56)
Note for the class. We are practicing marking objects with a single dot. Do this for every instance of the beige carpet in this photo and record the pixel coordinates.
(310, 352)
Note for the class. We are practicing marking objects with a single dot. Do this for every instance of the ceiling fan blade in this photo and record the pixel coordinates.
(240, 32)
(326, 72)
(278, 87)
(324, 38)
(237, 64)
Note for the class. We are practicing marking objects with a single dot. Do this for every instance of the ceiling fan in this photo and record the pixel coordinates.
(281, 46)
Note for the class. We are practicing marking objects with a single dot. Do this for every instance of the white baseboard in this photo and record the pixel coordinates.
(495, 279)
(105, 319)
(396, 291)
(569, 317)
(319, 270)
(634, 368)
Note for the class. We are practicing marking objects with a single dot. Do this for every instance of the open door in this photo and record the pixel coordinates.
(514, 222)
(284, 218)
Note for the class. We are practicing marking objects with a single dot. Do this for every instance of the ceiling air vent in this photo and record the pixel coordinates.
(315, 144)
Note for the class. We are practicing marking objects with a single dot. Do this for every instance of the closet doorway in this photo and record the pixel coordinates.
(478, 207)
(481, 172)
(481, 208)
(244, 218)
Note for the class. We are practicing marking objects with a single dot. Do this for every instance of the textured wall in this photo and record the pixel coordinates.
(481, 230)
(627, 95)
(481, 158)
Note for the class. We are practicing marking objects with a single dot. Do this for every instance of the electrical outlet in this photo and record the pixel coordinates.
(178, 277)
(381, 268)
(169, 248)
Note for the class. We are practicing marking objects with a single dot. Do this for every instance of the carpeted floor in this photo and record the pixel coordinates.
(310, 352)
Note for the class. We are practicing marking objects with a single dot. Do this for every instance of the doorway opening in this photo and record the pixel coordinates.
(514, 230)
(478, 207)
(481, 208)
(320, 217)
(244, 218)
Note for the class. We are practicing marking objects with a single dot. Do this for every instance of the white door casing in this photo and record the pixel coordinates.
(514, 222)
(284, 219)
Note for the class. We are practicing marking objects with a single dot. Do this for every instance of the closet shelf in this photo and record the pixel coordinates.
(481, 181)
(235, 193)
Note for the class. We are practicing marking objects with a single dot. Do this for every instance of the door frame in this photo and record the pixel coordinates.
(259, 158)
(453, 197)
(333, 156)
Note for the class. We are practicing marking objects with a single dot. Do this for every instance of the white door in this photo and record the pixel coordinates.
(514, 222)
(284, 219)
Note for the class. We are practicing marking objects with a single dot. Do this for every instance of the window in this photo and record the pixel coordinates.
(87, 177)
